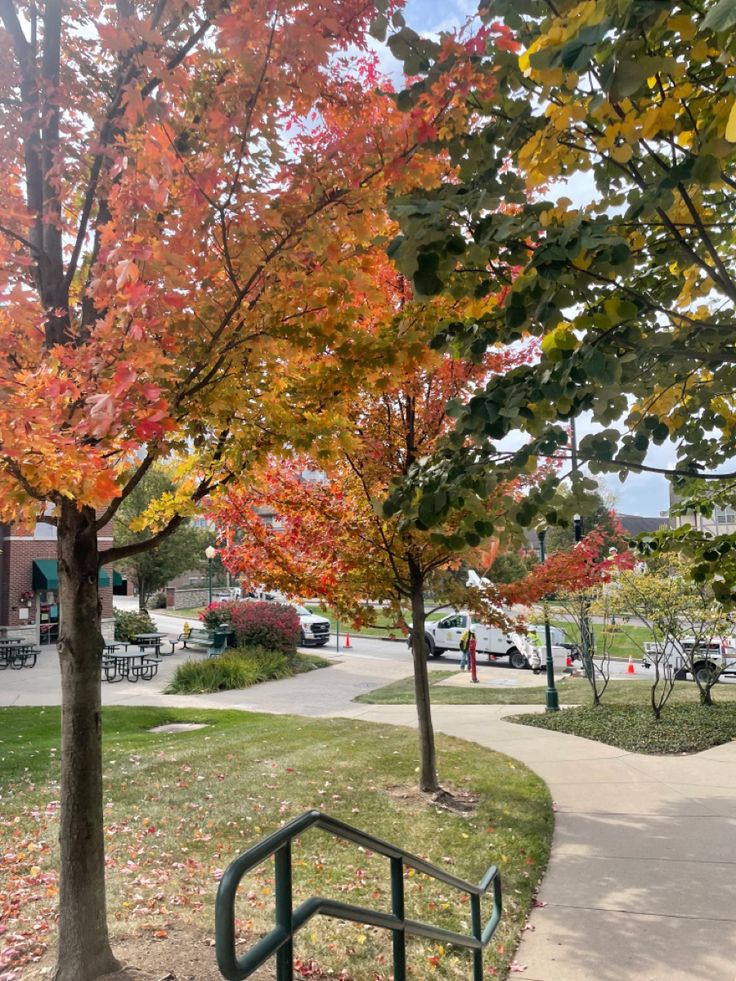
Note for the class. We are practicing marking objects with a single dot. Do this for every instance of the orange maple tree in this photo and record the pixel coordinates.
(192, 224)
(330, 538)
(590, 563)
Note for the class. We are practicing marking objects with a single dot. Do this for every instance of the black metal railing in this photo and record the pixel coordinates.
(280, 940)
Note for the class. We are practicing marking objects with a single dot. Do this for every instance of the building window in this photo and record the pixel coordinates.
(725, 516)
(44, 532)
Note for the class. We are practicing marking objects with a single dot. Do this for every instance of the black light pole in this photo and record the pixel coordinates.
(553, 703)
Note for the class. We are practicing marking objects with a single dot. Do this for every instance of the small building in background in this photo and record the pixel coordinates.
(29, 584)
(721, 522)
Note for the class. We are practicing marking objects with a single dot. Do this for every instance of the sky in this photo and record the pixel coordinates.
(645, 494)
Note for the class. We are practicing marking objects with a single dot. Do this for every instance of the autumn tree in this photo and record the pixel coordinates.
(179, 552)
(580, 579)
(330, 538)
(600, 188)
(193, 195)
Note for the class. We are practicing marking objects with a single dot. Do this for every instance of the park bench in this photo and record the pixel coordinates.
(215, 641)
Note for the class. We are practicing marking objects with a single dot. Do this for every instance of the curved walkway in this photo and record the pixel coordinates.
(641, 884)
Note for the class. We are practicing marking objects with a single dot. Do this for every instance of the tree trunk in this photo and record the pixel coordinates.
(141, 594)
(84, 946)
(428, 763)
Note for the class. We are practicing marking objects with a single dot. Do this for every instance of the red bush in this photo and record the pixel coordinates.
(274, 626)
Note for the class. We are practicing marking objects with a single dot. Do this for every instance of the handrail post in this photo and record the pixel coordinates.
(285, 953)
(478, 934)
(397, 908)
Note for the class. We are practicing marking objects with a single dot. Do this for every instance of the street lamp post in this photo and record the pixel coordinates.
(553, 702)
(210, 552)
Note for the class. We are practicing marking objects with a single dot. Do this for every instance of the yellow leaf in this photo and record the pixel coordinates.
(622, 154)
(730, 133)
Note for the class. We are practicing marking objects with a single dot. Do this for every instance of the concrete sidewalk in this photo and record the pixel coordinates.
(641, 884)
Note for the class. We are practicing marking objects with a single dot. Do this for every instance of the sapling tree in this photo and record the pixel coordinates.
(330, 538)
(690, 628)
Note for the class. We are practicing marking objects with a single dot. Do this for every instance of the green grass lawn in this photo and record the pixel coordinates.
(179, 807)
(625, 719)
(624, 639)
(572, 691)
(381, 625)
(187, 613)
(683, 728)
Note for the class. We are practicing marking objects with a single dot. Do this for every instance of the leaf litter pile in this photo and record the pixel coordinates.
(180, 806)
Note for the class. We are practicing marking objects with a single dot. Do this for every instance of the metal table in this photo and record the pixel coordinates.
(128, 665)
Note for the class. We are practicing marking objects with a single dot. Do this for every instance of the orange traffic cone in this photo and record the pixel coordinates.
(347, 645)
(630, 669)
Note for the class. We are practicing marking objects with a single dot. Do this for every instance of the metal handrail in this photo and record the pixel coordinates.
(280, 939)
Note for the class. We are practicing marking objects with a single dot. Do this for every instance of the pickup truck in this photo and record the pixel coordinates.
(444, 635)
(314, 629)
(717, 657)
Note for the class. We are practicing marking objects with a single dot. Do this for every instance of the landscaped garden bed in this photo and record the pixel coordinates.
(687, 728)
(239, 668)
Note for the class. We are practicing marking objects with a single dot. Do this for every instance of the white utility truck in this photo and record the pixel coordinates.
(444, 635)
(704, 660)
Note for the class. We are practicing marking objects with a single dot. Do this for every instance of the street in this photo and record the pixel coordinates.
(367, 664)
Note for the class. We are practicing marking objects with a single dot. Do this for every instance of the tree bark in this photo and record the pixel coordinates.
(141, 595)
(428, 779)
(84, 946)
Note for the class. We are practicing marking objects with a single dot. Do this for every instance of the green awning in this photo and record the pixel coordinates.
(46, 575)
(117, 579)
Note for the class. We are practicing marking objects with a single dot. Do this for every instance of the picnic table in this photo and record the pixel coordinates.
(154, 640)
(17, 653)
(127, 665)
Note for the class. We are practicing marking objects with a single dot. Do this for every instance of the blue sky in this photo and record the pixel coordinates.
(646, 494)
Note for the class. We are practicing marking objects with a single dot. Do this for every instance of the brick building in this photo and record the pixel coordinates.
(29, 585)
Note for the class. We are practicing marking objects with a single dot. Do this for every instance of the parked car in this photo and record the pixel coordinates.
(444, 635)
(703, 660)
(315, 629)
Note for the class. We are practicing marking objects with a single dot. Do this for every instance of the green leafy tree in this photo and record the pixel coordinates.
(630, 107)
(181, 551)
(512, 565)
(596, 516)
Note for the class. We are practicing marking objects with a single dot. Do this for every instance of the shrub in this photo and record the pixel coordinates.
(237, 668)
(128, 623)
(158, 601)
(274, 626)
